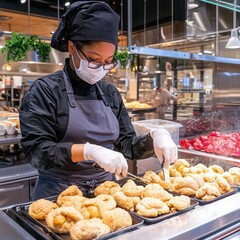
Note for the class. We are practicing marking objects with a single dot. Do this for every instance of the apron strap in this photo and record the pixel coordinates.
(69, 90)
(102, 96)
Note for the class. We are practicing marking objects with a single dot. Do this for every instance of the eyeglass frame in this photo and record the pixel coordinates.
(114, 61)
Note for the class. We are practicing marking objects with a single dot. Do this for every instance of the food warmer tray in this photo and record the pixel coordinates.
(152, 220)
(40, 228)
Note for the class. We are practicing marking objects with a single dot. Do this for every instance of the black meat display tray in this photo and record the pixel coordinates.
(203, 202)
(41, 230)
(193, 204)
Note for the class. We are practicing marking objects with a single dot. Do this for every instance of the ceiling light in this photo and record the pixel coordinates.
(192, 4)
(234, 41)
(23, 1)
(67, 3)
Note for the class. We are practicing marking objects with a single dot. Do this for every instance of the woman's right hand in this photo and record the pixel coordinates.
(111, 161)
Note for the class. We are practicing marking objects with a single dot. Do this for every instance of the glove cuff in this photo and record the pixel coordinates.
(158, 132)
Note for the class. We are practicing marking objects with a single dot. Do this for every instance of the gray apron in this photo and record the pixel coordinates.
(89, 121)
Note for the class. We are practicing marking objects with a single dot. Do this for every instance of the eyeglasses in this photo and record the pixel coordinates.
(94, 65)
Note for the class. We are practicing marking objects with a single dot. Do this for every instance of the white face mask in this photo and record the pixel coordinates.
(87, 74)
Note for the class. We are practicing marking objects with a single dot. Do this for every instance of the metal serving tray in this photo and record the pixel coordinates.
(203, 202)
(193, 204)
(41, 229)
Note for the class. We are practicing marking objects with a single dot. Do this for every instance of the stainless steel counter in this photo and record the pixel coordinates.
(195, 224)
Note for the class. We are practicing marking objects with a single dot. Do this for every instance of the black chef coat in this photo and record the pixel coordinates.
(44, 119)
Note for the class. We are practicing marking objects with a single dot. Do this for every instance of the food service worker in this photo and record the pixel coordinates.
(73, 118)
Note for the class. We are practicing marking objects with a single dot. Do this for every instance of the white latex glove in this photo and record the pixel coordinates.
(111, 161)
(164, 146)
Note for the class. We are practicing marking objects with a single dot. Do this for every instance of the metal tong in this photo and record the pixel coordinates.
(130, 175)
(165, 170)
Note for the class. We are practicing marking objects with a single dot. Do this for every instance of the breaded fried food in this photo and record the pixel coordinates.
(40, 208)
(73, 201)
(209, 176)
(62, 219)
(186, 186)
(235, 172)
(108, 187)
(222, 185)
(131, 189)
(108, 201)
(198, 178)
(92, 208)
(70, 191)
(179, 202)
(216, 169)
(123, 201)
(89, 229)
(152, 177)
(151, 207)
(208, 191)
(229, 177)
(161, 194)
(117, 219)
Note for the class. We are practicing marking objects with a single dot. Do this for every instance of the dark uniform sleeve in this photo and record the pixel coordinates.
(131, 146)
(38, 119)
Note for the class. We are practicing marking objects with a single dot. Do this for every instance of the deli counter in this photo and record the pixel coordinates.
(218, 219)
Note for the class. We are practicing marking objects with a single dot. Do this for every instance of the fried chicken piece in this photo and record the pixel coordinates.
(151, 207)
(108, 187)
(62, 219)
(117, 219)
(39, 209)
(123, 201)
(208, 191)
(70, 191)
(186, 186)
(130, 189)
(89, 229)
(179, 202)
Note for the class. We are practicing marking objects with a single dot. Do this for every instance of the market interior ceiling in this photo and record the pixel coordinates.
(41, 16)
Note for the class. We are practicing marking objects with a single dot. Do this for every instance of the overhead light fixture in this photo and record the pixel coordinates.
(23, 1)
(192, 4)
(67, 3)
(233, 42)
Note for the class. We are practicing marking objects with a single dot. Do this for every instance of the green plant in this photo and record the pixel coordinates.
(124, 57)
(17, 46)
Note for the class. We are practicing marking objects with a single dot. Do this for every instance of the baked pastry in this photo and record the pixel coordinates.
(235, 172)
(174, 173)
(229, 177)
(89, 229)
(92, 208)
(209, 176)
(179, 203)
(222, 184)
(156, 178)
(108, 187)
(62, 219)
(153, 186)
(108, 201)
(131, 189)
(151, 207)
(201, 168)
(123, 201)
(186, 186)
(216, 169)
(198, 178)
(161, 194)
(40, 208)
(182, 166)
(117, 219)
(70, 191)
(208, 191)
(73, 201)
